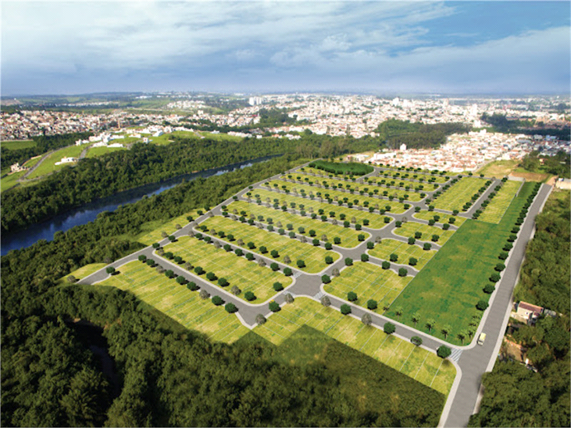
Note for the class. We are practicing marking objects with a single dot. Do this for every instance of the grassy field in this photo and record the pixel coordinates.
(409, 179)
(10, 181)
(48, 165)
(100, 151)
(152, 231)
(30, 163)
(468, 260)
(248, 276)
(83, 272)
(221, 136)
(369, 281)
(409, 228)
(17, 145)
(459, 193)
(178, 302)
(322, 173)
(494, 212)
(396, 207)
(429, 215)
(417, 363)
(403, 251)
(499, 169)
(348, 235)
(412, 196)
(376, 221)
(314, 257)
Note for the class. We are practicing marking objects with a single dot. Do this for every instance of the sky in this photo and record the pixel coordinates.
(385, 47)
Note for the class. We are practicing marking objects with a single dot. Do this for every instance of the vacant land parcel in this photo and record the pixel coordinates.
(459, 193)
(500, 203)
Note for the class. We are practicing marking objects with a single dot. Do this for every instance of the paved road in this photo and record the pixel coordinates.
(23, 177)
(473, 359)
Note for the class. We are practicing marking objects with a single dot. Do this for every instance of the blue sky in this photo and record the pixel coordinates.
(387, 47)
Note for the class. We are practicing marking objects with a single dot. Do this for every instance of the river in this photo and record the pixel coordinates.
(88, 212)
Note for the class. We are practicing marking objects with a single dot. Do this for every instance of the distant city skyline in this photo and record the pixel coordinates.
(286, 46)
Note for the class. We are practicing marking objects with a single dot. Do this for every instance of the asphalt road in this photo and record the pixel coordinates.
(471, 360)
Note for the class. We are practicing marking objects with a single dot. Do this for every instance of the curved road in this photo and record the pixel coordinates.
(471, 360)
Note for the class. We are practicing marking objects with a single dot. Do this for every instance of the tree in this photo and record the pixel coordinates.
(275, 267)
(345, 309)
(402, 272)
(443, 351)
(249, 296)
(389, 328)
(446, 330)
(300, 264)
(372, 304)
(366, 319)
(462, 335)
(325, 279)
(482, 305)
(489, 289)
(260, 319)
(287, 260)
(230, 308)
(217, 300)
(415, 318)
(289, 298)
(278, 286)
(412, 261)
(287, 271)
(325, 301)
(235, 290)
(415, 340)
(430, 323)
(348, 261)
(71, 279)
(110, 270)
(352, 296)
(274, 307)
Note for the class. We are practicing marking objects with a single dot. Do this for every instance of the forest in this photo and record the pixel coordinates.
(500, 123)
(167, 375)
(514, 395)
(395, 132)
(43, 145)
(95, 178)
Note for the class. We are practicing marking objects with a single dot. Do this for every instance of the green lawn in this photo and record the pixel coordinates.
(499, 169)
(30, 163)
(309, 179)
(10, 180)
(386, 247)
(409, 179)
(459, 193)
(246, 275)
(449, 287)
(83, 272)
(221, 136)
(152, 231)
(100, 151)
(48, 165)
(429, 215)
(409, 229)
(311, 170)
(314, 257)
(417, 363)
(17, 145)
(376, 221)
(395, 207)
(369, 281)
(494, 212)
(348, 235)
(178, 302)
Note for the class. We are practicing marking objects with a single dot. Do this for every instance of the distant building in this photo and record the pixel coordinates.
(528, 312)
(403, 147)
(17, 167)
(66, 160)
(563, 183)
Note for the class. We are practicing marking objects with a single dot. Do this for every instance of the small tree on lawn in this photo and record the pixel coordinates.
(415, 318)
(260, 319)
(289, 298)
(325, 279)
(348, 261)
(351, 296)
(110, 270)
(462, 335)
(278, 286)
(275, 267)
(300, 264)
(389, 328)
(142, 258)
(430, 324)
(372, 304)
(415, 340)
(274, 306)
(287, 271)
(412, 261)
(325, 301)
(249, 296)
(385, 265)
(444, 351)
(217, 300)
(489, 289)
(402, 272)
(411, 241)
(287, 260)
(235, 290)
(203, 294)
(446, 330)
(230, 308)
(366, 319)
(482, 305)
(345, 309)
(398, 311)
(495, 277)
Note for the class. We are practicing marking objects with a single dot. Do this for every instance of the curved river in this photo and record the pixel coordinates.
(88, 212)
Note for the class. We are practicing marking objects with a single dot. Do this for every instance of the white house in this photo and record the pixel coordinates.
(66, 160)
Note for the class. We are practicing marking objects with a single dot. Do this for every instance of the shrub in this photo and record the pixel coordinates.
(328, 246)
(372, 304)
(427, 246)
(217, 300)
(263, 249)
(402, 272)
(230, 308)
(385, 265)
(325, 279)
(411, 241)
(110, 270)
(345, 309)
(489, 289)
(495, 277)
(249, 296)
(222, 282)
(351, 296)
(415, 340)
(482, 305)
(393, 257)
(275, 267)
(274, 307)
(444, 351)
(287, 271)
(500, 267)
(328, 260)
(142, 258)
(412, 261)
(348, 261)
(278, 286)
(260, 319)
(389, 328)
(192, 286)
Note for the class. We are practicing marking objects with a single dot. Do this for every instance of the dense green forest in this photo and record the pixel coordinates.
(559, 165)
(169, 376)
(146, 163)
(43, 145)
(351, 168)
(514, 395)
(500, 123)
(395, 132)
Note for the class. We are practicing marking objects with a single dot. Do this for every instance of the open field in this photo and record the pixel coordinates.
(100, 151)
(10, 180)
(152, 231)
(499, 169)
(178, 302)
(323, 173)
(220, 137)
(348, 235)
(459, 193)
(417, 363)
(314, 257)
(494, 212)
(411, 178)
(395, 207)
(30, 163)
(17, 145)
(386, 247)
(531, 176)
(376, 221)
(369, 281)
(246, 275)
(409, 228)
(83, 271)
(468, 260)
(395, 169)
(429, 215)
(48, 165)
(410, 195)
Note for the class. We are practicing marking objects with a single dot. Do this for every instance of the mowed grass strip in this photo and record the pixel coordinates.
(444, 218)
(395, 207)
(246, 275)
(178, 302)
(449, 287)
(494, 212)
(349, 236)
(100, 151)
(459, 193)
(417, 363)
(376, 221)
(408, 195)
(83, 272)
(368, 281)
(409, 229)
(314, 257)
(403, 250)
(49, 163)
(310, 170)
(412, 179)
(152, 231)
